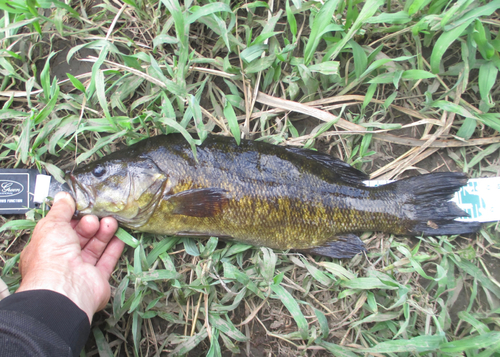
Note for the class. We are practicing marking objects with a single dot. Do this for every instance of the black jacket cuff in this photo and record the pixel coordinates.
(54, 310)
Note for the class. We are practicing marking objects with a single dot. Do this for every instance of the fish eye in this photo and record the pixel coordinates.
(99, 171)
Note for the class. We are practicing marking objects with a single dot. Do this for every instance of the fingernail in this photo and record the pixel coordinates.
(59, 196)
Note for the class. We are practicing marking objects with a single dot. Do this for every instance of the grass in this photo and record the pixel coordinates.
(389, 87)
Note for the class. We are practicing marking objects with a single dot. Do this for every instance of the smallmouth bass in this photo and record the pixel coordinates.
(261, 194)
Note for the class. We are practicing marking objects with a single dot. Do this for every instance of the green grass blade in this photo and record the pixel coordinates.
(416, 74)
(76, 83)
(366, 284)
(159, 274)
(45, 76)
(260, 65)
(360, 58)
(232, 121)
(160, 248)
(322, 20)
(190, 343)
(197, 11)
(485, 10)
(292, 22)
(227, 327)
(443, 43)
(317, 274)
(336, 350)
(369, 9)
(294, 309)
(47, 110)
(478, 325)
(490, 119)
(416, 5)
(251, 53)
(99, 145)
(102, 345)
(323, 323)
(483, 154)
(136, 331)
(417, 344)
(338, 270)
(399, 18)
(378, 317)
(326, 68)
(472, 342)
(191, 247)
(476, 273)
(452, 107)
(214, 350)
(467, 128)
(101, 95)
(18, 225)
(487, 79)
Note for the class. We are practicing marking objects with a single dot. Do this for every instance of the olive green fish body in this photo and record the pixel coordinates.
(279, 197)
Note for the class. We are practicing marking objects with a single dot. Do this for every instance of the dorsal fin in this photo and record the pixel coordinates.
(345, 172)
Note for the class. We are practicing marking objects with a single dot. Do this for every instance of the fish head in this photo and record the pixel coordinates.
(127, 189)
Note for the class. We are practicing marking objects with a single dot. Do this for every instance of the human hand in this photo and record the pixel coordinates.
(74, 258)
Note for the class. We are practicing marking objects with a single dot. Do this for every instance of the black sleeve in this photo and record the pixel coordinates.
(41, 323)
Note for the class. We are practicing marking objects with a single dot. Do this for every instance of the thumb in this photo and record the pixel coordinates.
(63, 208)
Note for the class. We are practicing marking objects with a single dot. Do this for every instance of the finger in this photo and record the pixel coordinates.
(110, 257)
(93, 250)
(86, 229)
(63, 208)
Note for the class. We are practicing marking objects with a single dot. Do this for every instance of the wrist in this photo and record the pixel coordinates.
(62, 286)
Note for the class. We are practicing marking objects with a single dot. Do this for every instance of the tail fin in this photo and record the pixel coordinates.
(445, 227)
(427, 203)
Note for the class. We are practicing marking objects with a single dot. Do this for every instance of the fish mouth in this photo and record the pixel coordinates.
(83, 197)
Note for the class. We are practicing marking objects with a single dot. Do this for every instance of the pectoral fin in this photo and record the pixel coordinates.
(344, 246)
(202, 202)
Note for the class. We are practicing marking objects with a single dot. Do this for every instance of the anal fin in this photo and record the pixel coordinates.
(202, 202)
(343, 246)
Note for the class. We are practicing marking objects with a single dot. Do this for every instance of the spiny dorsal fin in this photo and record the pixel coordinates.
(201, 202)
(345, 172)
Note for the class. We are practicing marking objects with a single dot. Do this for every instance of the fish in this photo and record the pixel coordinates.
(261, 194)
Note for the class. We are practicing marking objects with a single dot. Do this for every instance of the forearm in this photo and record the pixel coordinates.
(41, 323)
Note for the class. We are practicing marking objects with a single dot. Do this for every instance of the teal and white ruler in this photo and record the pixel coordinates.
(480, 198)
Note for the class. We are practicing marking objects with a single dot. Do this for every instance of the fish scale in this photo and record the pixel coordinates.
(262, 194)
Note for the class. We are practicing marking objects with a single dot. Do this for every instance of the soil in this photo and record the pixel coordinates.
(60, 66)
